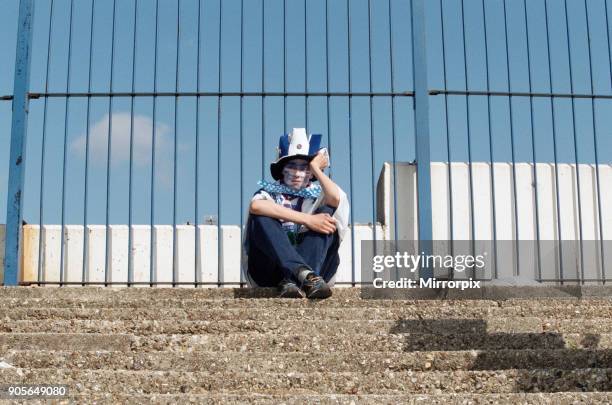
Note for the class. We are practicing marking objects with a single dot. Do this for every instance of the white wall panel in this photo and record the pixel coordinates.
(553, 262)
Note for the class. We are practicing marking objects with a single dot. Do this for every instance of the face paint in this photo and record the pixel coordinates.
(296, 174)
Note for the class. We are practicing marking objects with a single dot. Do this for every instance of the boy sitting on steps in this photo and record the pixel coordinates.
(295, 226)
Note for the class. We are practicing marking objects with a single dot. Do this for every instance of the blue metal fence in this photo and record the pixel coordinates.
(235, 74)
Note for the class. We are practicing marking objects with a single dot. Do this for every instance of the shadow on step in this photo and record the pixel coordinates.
(545, 362)
(259, 292)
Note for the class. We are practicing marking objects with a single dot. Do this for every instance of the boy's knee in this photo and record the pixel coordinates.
(262, 220)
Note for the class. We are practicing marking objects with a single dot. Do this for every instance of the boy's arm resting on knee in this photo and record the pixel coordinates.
(271, 209)
(322, 223)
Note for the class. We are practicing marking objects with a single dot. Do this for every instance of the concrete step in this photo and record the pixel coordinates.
(61, 341)
(315, 313)
(281, 343)
(313, 327)
(487, 293)
(261, 362)
(274, 342)
(153, 302)
(557, 398)
(422, 382)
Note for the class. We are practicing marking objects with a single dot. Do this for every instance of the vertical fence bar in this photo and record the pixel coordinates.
(241, 130)
(66, 115)
(174, 186)
(469, 142)
(329, 145)
(131, 174)
(18, 140)
(489, 128)
(42, 149)
(285, 129)
(393, 140)
(350, 126)
(220, 263)
(107, 276)
(152, 253)
(198, 253)
(554, 136)
(372, 154)
(84, 275)
(449, 171)
(533, 147)
(569, 53)
(419, 61)
(509, 78)
(306, 66)
(263, 88)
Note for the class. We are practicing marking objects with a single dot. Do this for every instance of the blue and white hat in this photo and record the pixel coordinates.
(295, 145)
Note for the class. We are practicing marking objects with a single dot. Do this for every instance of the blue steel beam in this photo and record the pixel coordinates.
(421, 107)
(18, 138)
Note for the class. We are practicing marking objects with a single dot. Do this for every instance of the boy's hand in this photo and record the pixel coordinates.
(322, 223)
(320, 161)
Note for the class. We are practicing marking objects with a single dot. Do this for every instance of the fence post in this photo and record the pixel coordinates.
(421, 106)
(18, 140)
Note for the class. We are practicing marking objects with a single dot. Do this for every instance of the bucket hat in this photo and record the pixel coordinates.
(295, 145)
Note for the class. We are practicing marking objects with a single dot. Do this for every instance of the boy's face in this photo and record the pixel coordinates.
(296, 173)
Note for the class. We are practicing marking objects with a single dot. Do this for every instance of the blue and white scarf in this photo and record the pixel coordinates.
(312, 191)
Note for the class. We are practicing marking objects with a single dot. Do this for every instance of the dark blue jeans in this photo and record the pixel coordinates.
(272, 257)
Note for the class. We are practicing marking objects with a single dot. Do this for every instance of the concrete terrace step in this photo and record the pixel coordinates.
(280, 343)
(152, 302)
(558, 398)
(423, 382)
(262, 362)
(314, 327)
(402, 311)
(175, 345)
(487, 293)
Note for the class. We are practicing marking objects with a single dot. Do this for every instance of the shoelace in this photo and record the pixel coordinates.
(313, 279)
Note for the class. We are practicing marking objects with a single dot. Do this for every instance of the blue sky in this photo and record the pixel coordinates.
(220, 161)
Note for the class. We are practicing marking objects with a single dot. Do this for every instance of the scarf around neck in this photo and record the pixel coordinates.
(312, 191)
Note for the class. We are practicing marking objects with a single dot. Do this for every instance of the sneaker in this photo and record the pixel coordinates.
(288, 289)
(315, 287)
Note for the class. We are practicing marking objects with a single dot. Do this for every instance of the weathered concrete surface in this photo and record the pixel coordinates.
(564, 398)
(578, 310)
(488, 292)
(311, 327)
(235, 346)
(329, 382)
(343, 361)
(281, 343)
